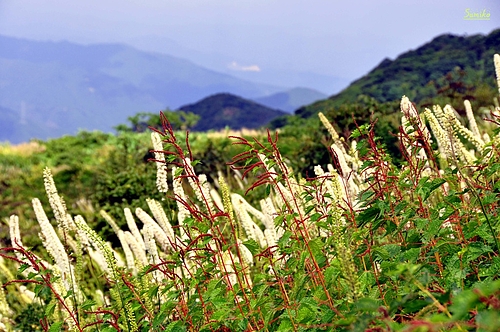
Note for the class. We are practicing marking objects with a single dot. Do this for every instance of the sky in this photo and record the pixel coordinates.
(254, 37)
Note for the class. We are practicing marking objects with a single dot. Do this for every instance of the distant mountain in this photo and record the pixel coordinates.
(448, 64)
(291, 100)
(224, 109)
(229, 64)
(48, 89)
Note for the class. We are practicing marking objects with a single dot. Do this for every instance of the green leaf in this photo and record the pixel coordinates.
(252, 246)
(278, 221)
(285, 325)
(178, 171)
(219, 315)
(283, 241)
(367, 304)
(176, 326)
(309, 209)
(426, 187)
(369, 215)
(268, 190)
(88, 304)
(159, 319)
(23, 267)
(56, 327)
(49, 309)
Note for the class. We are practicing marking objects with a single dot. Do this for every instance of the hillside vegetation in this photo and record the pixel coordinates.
(442, 71)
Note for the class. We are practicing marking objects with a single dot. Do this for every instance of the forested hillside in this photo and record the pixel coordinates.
(444, 70)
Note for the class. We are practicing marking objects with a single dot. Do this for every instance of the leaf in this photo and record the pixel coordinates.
(285, 325)
(305, 315)
(22, 268)
(268, 190)
(219, 315)
(367, 304)
(366, 195)
(309, 209)
(252, 246)
(369, 215)
(49, 309)
(159, 319)
(153, 292)
(175, 326)
(284, 239)
(178, 171)
(278, 221)
(56, 327)
(88, 304)
(426, 187)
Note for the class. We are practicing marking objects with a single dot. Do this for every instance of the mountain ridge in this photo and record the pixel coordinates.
(64, 87)
(411, 72)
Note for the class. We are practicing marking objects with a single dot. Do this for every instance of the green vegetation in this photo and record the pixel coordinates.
(447, 63)
(321, 229)
(141, 122)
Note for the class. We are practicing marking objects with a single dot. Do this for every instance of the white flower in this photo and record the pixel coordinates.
(161, 167)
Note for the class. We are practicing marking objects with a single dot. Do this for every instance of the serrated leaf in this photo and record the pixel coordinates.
(252, 246)
(285, 326)
(170, 158)
(153, 292)
(309, 209)
(176, 326)
(426, 187)
(369, 215)
(284, 239)
(159, 319)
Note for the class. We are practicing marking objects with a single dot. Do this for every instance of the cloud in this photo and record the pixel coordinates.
(235, 66)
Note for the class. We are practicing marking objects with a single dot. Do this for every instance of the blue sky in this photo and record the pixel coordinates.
(254, 37)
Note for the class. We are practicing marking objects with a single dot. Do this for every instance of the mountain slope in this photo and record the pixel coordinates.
(62, 87)
(291, 100)
(448, 62)
(223, 109)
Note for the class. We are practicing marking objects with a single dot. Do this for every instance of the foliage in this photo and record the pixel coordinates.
(142, 121)
(361, 243)
(410, 73)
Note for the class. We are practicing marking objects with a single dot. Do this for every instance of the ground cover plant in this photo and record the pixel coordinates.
(361, 244)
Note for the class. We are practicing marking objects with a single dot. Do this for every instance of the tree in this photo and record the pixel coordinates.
(141, 122)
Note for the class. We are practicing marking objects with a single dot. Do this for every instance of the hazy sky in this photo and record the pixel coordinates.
(344, 39)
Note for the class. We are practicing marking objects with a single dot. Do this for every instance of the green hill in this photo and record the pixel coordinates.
(449, 66)
(224, 109)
